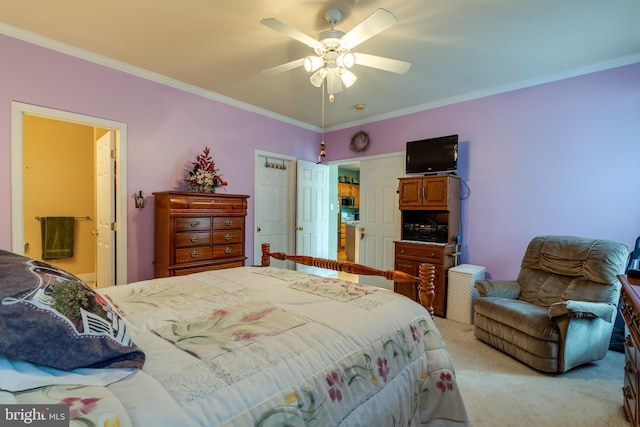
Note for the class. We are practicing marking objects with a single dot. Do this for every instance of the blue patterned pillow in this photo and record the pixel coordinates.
(50, 317)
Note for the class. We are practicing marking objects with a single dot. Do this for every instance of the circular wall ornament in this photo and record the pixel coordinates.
(359, 142)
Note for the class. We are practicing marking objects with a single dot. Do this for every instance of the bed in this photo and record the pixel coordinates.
(255, 345)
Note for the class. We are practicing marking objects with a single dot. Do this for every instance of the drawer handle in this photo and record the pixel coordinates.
(189, 204)
(228, 250)
(194, 254)
(233, 204)
(194, 223)
(402, 251)
(227, 236)
(228, 222)
(628, 341)
(194, 239)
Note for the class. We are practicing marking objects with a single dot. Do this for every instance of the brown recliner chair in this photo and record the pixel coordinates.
(560, 311)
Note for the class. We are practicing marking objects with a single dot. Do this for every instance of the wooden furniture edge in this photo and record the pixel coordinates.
(631, 303)
(427, 272)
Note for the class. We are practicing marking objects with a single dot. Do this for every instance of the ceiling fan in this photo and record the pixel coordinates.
(333, 57)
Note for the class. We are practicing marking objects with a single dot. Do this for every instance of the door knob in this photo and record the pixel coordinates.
(300, 229)
(258, 229)
(94, 232)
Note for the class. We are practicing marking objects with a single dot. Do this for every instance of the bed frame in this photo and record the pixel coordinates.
(427, 272)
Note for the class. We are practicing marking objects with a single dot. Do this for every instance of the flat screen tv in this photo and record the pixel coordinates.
(432, 156)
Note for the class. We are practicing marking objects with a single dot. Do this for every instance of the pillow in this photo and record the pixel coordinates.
(18, 375)
(50, 317)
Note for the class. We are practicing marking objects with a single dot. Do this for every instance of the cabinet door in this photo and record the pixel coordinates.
(344, 190)
(435, 192)
(410, 193)
(407, 289)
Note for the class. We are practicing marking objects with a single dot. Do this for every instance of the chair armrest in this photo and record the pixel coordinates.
(583, 309)
(498, 288)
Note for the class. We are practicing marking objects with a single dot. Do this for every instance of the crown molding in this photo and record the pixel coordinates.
(57, 46)
(619, 62)
(48, 43)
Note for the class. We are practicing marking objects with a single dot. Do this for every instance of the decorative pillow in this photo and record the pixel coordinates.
(50, 317)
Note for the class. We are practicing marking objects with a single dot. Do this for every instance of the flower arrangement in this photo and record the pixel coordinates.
(204, 177)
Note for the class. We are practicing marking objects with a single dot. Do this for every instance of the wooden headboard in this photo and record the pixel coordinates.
(425, 280)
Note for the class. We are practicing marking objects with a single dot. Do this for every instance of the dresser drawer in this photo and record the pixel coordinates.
(226, 237)
(190, 224)
(185, 239)
(190, 203)
(630, 350)
(422, 253)
(201, 253)
(223, 223)
(227, 251)
(230, 204)
(630, 397)
(631, 376)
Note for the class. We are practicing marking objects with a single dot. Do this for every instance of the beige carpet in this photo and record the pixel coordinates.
(500, 391)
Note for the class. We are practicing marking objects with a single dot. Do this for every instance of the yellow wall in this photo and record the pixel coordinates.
(59, 180)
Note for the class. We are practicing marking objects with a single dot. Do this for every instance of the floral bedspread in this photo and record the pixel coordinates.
(267, 346)
(88, 405)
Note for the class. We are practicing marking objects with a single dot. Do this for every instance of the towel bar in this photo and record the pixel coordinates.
(86, 217)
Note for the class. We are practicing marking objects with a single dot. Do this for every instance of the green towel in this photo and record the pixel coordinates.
(57, 236)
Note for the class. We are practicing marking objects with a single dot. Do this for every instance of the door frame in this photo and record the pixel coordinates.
(18, 111)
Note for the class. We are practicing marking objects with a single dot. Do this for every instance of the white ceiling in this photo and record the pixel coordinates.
(459, 49)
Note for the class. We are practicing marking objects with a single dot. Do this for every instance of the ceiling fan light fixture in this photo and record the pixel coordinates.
(312, 63)
(317, 78)
(334, 82)
(346, 60)
(333, 58)
(348, 78)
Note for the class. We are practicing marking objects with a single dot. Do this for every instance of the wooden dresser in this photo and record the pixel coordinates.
(198, 231)
(630, 309)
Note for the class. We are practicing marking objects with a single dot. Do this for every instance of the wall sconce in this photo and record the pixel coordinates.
(139, 200)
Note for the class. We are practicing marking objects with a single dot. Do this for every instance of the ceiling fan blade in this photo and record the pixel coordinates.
(381, 63)
(374, 24)
(284, 67)
(294, 33)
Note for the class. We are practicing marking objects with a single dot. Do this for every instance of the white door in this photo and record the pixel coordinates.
(312, 213)
(105, 213)
(379, 215)
(272, 214)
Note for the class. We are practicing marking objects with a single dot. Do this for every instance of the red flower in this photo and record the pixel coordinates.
(79, 406)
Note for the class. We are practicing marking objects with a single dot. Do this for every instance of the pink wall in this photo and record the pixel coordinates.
(166, 129)
(559, 158)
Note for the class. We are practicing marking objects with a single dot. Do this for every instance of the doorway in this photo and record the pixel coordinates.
(348, 211)
(116, 265)
(378, 224)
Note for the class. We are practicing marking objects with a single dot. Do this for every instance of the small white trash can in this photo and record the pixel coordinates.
(461, 293)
